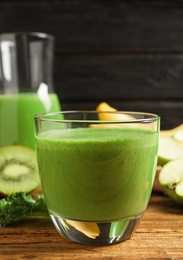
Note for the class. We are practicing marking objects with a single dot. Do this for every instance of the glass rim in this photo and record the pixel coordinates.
(27, 33)
(152, 117)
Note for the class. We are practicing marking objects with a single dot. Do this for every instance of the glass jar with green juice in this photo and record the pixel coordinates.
(26, 89)
(26, 85)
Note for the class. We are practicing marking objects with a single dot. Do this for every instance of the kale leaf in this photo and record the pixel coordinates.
(19, 205)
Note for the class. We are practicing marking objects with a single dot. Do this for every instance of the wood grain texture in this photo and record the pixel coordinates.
(130, 76)
(116, 51)
(159, 236)
(82, 26)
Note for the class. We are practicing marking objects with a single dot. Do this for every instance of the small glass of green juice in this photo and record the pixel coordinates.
(97, 175)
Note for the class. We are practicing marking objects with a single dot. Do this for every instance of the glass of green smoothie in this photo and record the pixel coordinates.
(97, 175)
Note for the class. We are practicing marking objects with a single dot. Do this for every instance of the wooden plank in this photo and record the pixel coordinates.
(119, 51)
(131, 76)
(159, 236)
(82, 26)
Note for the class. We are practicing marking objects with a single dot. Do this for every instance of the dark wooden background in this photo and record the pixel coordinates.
(127, 53)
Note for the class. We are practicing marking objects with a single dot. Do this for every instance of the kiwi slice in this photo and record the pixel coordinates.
(18, 170)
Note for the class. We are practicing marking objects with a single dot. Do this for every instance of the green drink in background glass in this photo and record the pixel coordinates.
(26, 89)
(17, 116)
(96, 176)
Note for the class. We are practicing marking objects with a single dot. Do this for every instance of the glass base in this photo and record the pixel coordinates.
(96, 233)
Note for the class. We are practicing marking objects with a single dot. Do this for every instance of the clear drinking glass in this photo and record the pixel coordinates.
(96, 175)
(26, 85)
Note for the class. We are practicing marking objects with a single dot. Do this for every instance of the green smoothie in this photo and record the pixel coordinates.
(17, 116)
(97, 174)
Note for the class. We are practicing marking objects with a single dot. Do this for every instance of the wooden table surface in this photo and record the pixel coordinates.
(159, 236)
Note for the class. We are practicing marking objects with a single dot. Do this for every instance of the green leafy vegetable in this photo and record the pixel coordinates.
(19, 205)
